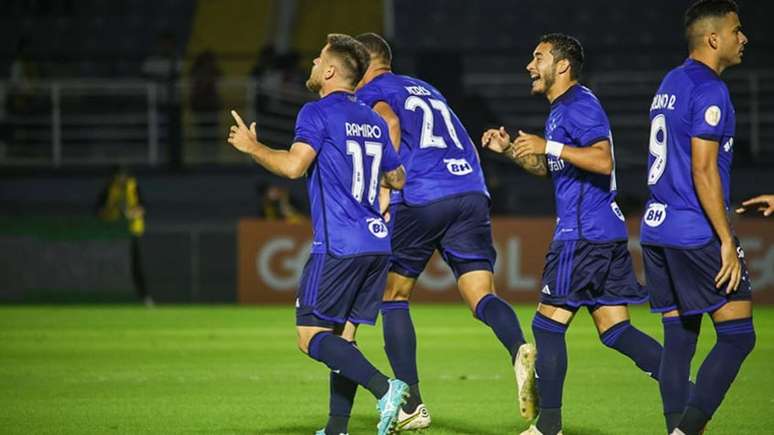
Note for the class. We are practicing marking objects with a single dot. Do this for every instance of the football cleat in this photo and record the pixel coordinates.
(532, 430)
(322, 432)
(419, 419)
(389, 406)
(524, 366)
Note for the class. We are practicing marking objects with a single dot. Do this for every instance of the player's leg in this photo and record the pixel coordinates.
(549, 327)
(617, 332)
(400, 340)
(342, 390)
(618, 288)
(680, 335)
(467, 247)
(693, 271)
(321, 344)
(735, 340)
(414, 234)
(476, 288)
(329, 289)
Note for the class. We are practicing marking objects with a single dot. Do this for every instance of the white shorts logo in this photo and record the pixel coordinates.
(377, 227)
(458, 166)
(655, 214)
(712, 115)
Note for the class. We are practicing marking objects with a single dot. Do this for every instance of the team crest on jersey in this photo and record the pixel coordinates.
(458, 166)
(655, 214)
(712, 115)
(617, 211)
(377, 227)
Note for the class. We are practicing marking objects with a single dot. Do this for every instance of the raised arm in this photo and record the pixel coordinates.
(291, 163)
(499, 141)
(706, 179)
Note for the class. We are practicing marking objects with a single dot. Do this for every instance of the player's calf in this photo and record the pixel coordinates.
(638, 346)
(735, 340)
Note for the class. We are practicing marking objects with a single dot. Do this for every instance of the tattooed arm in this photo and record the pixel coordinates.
(535, 164)
(499, 142)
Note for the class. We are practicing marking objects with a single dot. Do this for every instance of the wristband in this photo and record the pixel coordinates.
(554, 148)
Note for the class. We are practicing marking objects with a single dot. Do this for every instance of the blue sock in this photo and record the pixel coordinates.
(735, 340)
(340, 406)
(638, 346)
(680, 336)
(499, 315)
(339, 354)
(551, 369)
(400, 344)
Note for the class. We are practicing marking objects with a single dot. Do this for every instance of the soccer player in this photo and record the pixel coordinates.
(444, 207)
(588, 263)
(765, 204)
(693, 264)
(345, 150)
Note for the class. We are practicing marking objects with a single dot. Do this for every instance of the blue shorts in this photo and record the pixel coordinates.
(579, 272)
(458, 227)
(684, 279)
(335, 290)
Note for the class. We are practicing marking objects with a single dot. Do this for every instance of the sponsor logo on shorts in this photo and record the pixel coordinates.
(458, 166)
(377, 227)
(617, 211)
(655, 214)
(546, 290)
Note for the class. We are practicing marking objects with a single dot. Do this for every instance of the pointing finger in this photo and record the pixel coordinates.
(238, 119)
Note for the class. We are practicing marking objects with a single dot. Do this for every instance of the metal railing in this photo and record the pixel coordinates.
(101, 122)
(97, 122)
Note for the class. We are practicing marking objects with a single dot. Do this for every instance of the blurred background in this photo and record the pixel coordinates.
(116, 183)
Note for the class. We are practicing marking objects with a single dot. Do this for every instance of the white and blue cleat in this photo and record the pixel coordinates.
(389, 406)
(322, 432)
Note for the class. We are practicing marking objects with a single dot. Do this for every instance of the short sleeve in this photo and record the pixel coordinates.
(589, 125)
(709, 109)
(370, 95)
(310, 127)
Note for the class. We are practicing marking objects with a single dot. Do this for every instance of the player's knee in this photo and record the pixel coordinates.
(303, 344)
(609, 337)
(739, 334)
(398, 290)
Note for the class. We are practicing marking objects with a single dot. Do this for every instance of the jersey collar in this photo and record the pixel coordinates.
(566, 93)
(691, 61)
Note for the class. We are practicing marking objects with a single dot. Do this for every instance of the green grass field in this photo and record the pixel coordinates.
(217, 370)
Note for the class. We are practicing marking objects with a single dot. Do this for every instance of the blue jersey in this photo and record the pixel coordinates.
(436, 150)
(353, 150)
(692, 101)
(585, 201)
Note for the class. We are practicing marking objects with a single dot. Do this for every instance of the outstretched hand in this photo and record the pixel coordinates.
(765, 204)
(242, 138)
(497, 140)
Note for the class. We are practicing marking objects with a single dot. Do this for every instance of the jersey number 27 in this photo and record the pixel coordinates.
(428, 139)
